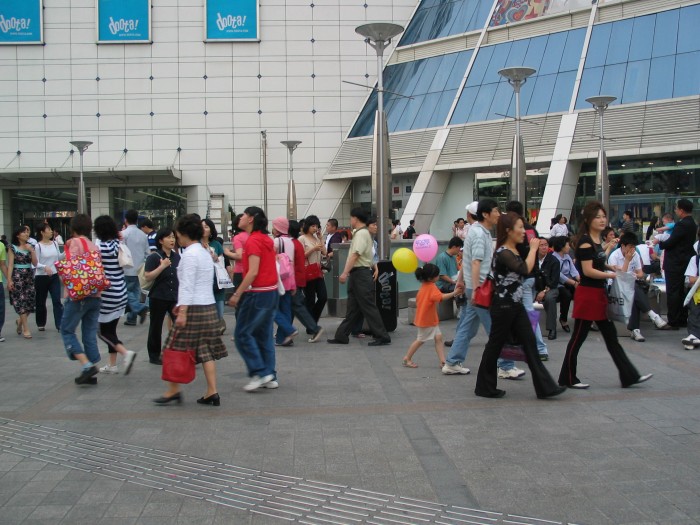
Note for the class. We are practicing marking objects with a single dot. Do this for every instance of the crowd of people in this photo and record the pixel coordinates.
(276, 275)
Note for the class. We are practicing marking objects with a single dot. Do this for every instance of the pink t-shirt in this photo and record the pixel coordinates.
(239, 241)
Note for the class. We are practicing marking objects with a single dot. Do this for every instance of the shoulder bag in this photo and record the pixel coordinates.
(82, 275)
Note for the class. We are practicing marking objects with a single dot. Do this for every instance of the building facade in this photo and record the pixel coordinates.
(176, 116)
(451, 140)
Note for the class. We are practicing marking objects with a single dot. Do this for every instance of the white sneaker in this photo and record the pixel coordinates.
(513, 373)
(636, 335)
(2, 339)
(128, 361)
(457, 368)
(691, 340)
(109, 369)
(316, 336)
(658, 321)
(271, 385)
(257, 381)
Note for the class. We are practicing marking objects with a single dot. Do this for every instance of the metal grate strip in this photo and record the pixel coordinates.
(277, 496)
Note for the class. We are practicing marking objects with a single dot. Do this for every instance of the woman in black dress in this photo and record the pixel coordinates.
(591, 302)
(508, 314)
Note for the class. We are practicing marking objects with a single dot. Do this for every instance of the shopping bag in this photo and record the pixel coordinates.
(83, 275)
(223, 280)
(514, 351)
(621, 297)
(125, 259)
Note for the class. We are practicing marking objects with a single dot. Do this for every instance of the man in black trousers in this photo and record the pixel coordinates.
(678, 250)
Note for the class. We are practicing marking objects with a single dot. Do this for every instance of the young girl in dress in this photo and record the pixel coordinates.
(426, 318)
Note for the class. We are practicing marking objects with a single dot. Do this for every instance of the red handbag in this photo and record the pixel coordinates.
(178, 366)
(313, 271)
(483, 295)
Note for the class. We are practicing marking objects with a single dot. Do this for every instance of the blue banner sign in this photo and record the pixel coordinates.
(231, 20)
(21, 22)
(123, 21)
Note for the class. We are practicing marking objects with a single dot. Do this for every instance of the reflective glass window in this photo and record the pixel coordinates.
(481, 64)
(552, 54)
(572, 51)
(636, 82)
(598, 46)
(441, 18)
(590, 86)
(482, 103)
(535, 51)
(613, 81)
(688, 27)
(438, 76)
(642, 41)
(518, 52)
(665, 33)
(464, 106)
(661, 75)
(501, 102)
(619, 46)
(541, 95)
(561, 95)
(687, 81)
(498, 62)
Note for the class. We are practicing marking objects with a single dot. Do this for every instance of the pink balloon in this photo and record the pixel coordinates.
(425, 247)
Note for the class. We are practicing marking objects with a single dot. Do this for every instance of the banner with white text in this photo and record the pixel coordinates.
(123, 21)
(21, 22)
(231, 20)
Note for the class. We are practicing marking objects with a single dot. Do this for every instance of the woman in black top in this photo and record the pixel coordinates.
(508, 315)
(161, 266)
(591, 302)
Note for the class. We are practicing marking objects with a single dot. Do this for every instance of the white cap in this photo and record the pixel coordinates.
(472, 207)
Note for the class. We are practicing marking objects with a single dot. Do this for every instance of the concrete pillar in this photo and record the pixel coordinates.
(99, 201)
(197, 199)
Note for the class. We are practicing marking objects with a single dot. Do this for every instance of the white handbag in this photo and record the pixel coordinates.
(125, 258)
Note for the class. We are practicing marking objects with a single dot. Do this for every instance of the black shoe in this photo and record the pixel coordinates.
(336, 341)
(498, 393)
(129, 323)
(449, 343)
(213, 399)
(162, 400)
(155, 361)
(544, 357)
(564, 326)
(85, 375)
(91, 381)
(380, 342)
(552, 335)
(143, 315)
(556, 392)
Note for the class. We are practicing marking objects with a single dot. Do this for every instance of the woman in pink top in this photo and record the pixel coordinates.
(84, 312)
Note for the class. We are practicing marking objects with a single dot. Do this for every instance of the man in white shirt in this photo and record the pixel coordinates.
(137, 242)
(626, 259)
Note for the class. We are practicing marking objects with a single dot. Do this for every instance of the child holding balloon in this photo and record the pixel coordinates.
(426, 318)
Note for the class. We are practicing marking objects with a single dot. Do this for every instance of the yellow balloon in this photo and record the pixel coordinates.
(405, 260)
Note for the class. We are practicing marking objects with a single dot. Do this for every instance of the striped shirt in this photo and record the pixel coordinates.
(114, 298)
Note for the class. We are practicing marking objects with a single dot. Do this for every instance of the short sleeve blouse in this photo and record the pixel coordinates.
(594, 252)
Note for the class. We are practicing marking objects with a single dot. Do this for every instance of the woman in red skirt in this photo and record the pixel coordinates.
(591, 302)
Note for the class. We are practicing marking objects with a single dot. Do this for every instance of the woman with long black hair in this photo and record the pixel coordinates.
(591, 302)
(315, 290)
(508, 314)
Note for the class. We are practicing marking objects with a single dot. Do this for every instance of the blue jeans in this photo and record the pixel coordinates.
(283, 318)
(467, 327)
(2, 306)
(85, 312)
(133, 295)
(300, 312)
(253, 332)
(528, 303)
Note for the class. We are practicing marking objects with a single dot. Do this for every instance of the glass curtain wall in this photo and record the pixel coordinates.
(163, 206)
(440, 18)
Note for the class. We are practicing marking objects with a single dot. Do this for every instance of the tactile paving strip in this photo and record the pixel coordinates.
(287, 498)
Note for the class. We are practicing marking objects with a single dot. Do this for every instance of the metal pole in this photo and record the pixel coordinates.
(603, 181)
(291, 190)
(81, 145)
(383, 183)
(518, 160)
(263, 135)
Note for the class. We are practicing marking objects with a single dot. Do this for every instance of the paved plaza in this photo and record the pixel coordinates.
(349, 437)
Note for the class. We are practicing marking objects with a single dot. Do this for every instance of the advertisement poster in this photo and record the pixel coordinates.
(123, 21)
(21, 22)
(231, 20)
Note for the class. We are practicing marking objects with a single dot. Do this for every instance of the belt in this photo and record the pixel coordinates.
(359, 268)
(22, 265)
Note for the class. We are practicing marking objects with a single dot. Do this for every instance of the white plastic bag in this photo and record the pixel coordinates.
(124, 257)
(621, 297)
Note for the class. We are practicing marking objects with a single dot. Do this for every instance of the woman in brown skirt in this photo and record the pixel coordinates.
(197, 323)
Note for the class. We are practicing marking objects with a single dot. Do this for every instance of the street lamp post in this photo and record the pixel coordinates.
(600, 104)
(517, 76)
(378, 35)
(291, 190)
(81, 145)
